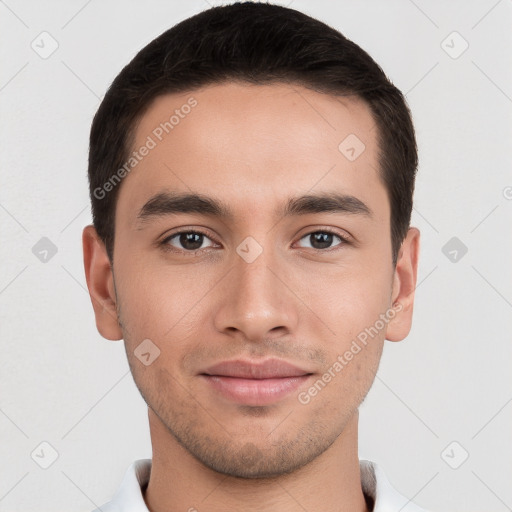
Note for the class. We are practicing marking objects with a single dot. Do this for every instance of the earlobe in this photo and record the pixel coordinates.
(404, 285)
(100, 282)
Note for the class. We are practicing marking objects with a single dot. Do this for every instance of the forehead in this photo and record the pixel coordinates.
(253, 144)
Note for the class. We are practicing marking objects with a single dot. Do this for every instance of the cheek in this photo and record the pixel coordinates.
(160, 302)
(353, 301)
(354, 352)
(354, 312)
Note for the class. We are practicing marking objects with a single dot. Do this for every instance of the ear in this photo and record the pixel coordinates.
(404, 285)
(100, 282)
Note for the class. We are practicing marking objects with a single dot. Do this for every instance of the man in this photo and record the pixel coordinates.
(257, 170)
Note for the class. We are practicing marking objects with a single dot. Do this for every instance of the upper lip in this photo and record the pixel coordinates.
(269, 369)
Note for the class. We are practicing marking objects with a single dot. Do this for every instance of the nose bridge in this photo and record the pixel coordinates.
(255, 300)
(255, 271)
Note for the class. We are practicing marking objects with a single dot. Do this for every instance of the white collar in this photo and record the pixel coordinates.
(374, 482)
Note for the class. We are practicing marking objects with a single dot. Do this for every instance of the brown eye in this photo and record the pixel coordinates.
(323, 240)
(186, 240)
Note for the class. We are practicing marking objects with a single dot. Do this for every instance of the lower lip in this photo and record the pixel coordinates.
(255, 391)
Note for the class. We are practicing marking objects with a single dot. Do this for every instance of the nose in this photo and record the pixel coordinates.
(256, 301)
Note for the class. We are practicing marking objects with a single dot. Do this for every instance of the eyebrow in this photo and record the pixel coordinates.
(172, 203)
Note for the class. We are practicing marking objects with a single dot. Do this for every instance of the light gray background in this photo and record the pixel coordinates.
(449, 381)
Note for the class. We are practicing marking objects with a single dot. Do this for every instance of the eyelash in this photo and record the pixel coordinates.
(166, 247)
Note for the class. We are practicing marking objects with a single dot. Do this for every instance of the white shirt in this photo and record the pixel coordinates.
(374, 482)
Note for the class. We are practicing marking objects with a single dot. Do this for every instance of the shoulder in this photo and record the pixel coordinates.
(378, 490)
(129, 494)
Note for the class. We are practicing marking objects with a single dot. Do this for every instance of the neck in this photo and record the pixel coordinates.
(179, 482)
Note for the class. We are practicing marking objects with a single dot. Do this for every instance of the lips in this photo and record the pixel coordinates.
(269, 369)
(255, 383)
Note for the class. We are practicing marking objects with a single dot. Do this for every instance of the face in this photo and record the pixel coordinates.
(256, 282)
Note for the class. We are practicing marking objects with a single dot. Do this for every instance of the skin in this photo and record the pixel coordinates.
(253, 147)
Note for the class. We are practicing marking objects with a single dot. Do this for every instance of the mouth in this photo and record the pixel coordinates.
(255, 383)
